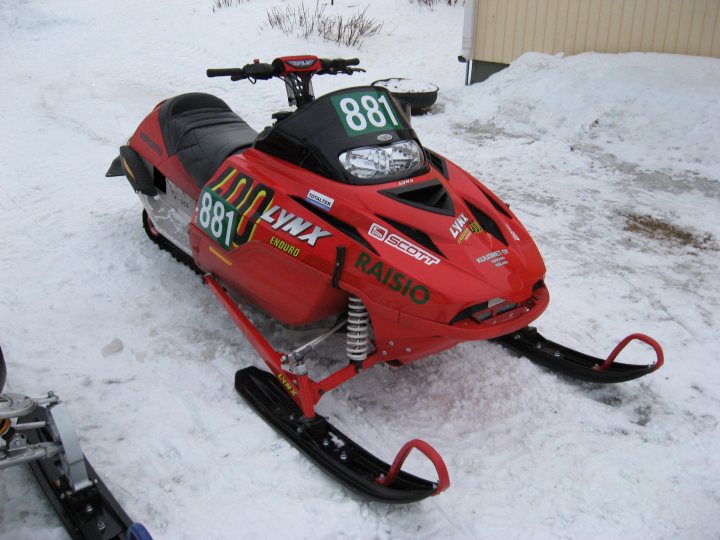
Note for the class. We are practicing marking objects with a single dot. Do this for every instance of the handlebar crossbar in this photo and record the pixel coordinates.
(296, 71)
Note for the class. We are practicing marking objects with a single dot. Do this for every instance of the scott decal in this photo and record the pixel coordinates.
(293, 225)
(399, 243)
(392, 279)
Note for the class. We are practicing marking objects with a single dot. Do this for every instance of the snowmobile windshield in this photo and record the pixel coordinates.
(355, 136)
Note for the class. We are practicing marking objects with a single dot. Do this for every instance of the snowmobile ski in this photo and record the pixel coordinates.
(90, 512)
(337, 455)
(39, 432)
(530, 343)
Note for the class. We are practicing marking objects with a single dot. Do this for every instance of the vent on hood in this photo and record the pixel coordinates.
(414, 234)
(431, 196)
(499, 206)
(437, 162)
(340, 225)
(486, 223)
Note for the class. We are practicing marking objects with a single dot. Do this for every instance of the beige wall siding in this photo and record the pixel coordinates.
(507, 28)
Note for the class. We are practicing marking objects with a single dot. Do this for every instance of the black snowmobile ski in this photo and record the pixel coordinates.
(331, 450)
(39, 433)
(91, 513)
(529, 343)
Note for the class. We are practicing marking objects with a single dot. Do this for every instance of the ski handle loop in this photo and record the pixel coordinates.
(430, 453)
(620, 346)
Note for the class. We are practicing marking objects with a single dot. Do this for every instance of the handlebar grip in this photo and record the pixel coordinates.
(259, 71)
(224, 72)
(339, 64)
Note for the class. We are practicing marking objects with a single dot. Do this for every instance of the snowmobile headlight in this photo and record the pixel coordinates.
(376, 161)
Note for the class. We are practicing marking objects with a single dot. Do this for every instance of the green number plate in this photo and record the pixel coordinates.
(366, 112)
(217, 217)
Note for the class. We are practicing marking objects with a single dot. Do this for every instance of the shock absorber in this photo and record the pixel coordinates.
(357, 342)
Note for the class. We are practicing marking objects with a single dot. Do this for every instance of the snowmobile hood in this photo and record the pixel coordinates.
(450, 233)
(438, 246)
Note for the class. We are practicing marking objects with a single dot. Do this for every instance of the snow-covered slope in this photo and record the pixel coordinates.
(581, 147)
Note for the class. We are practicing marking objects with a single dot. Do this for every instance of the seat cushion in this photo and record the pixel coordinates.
(202, 131)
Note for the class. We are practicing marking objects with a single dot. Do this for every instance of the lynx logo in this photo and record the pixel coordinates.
(293, 225)
(319, 200)
(399, 243)
(289, 388)
(458, 225)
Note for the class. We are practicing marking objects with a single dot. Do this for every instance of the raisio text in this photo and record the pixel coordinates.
(392, 279)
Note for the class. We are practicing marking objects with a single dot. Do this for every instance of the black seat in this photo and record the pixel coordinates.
(202, 131)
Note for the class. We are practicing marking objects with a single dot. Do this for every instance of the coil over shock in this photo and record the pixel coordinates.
(357, 342)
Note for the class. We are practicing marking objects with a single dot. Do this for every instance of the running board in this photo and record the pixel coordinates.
(337, 455)
(529, 343)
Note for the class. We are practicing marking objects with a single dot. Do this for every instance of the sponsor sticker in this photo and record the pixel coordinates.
(281, 219)
(458, 225)
(495, 257)
(392, 279)
(319, 200)
(284, 246)
(462, 227)
(401, 244)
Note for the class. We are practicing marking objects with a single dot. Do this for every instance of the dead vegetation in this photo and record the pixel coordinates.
(662, 231)
(305, 21)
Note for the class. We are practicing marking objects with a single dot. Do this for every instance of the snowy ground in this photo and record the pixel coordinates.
(580, 147)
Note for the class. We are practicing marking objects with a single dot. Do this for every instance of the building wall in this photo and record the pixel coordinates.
(505, 29)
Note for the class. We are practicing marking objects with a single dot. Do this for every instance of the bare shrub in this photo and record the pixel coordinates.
(304, 22)
(217, 4)
(432, 3)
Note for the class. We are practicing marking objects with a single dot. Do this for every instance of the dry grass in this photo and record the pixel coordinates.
(432, 3)
(656, 229)
(218, 4)
(304, 22)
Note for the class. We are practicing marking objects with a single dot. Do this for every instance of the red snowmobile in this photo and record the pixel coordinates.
(338, 213)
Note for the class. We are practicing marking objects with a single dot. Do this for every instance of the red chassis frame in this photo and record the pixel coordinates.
(306, 392)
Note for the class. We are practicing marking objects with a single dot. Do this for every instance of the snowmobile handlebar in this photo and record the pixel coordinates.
(278, 68)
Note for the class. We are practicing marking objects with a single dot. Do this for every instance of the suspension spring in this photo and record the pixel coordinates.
(357, 342)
